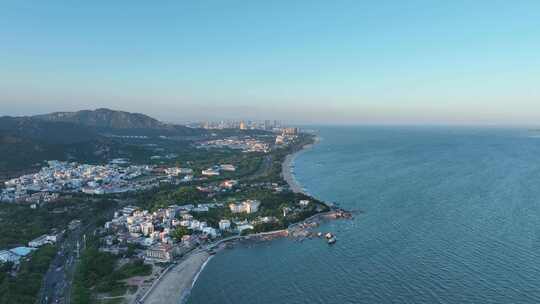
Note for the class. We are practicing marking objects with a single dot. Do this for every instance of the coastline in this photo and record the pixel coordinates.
(198, 273)
(287, 168)
(174, 285)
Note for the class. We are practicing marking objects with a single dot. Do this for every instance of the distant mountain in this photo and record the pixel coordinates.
(44, 131)
(86, 125)
(87, 136)
(105, 118)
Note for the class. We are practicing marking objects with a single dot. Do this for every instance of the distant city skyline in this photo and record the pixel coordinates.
(303, 62)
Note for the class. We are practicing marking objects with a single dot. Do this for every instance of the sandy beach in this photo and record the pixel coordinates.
(287, 170)
(174, 287)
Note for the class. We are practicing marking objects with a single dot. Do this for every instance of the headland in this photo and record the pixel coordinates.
(175, 283)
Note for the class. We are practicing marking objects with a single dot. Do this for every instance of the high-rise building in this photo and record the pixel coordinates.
(243, 125)
(267, 125)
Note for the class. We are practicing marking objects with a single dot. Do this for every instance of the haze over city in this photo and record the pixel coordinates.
(287, 151)
(413, 62)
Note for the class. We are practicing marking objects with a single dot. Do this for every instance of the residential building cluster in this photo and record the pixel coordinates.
(71, 177)
(287, 136)
(177, 174)
(176, 171)
(34, 199)
(15, 255)
(155, 232)
(267, 125)
(217, 169)
(224, 186)
(245, 144)
(290, 131)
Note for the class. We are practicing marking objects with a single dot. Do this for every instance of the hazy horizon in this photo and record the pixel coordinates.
(304, 62)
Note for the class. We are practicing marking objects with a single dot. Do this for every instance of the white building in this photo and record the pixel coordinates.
(304, 203)
(227, 167)
(200, 209)
(8, 256)
(236, 208)
(175, 171)
(134, 228)
(224, 224)
(210, 231)
(160, 252)
(252, 206)
(195, 225)
(14, 255)
(248, 206)
(241, 228)
(42, 240)
(210, 172)
(147, 228)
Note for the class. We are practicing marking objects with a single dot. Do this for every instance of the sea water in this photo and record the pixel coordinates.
(444, 215)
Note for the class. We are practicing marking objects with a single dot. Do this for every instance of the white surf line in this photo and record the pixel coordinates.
(186, 294)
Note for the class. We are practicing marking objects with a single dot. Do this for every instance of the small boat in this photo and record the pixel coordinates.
(332, 241)
(319, 234)
(328, 235)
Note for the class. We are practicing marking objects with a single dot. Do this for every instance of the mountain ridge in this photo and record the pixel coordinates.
(105, 118)
(87, 136)
(86, 125)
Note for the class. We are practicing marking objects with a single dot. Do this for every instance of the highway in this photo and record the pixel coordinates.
(57, 281)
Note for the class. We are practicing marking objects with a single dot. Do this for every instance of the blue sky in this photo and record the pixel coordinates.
(302, 61)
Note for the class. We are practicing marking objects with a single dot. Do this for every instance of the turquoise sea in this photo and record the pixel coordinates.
(450, 215)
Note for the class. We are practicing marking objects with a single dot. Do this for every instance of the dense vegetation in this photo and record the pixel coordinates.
(22, 224)
(24, 287)
(97, 272)
(272, 204)
(179, 232)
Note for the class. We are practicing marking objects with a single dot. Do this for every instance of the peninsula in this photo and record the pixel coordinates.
(175, 283)
(137, 219)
